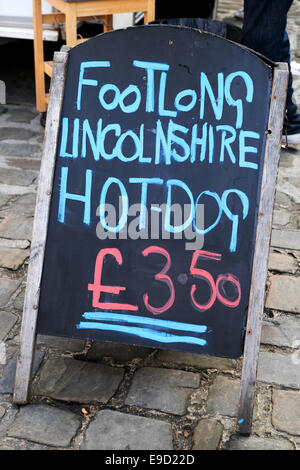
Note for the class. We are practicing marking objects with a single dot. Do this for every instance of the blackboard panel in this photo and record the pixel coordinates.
(163, 115)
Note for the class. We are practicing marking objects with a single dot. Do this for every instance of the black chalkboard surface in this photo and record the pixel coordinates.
(156, 188)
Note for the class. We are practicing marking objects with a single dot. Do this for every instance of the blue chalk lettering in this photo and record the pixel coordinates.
(64, 138)
(144, 190)
(198, 141)
(161, 141)
(161, 97)
(150, 67)
(211, 141)
(172, 137)
(178, 228)
(226, 141)
(238, 103)
(234, 217)
(102, 205)
(64, 195)
(143, 159)
(137, 144)
(181, 95)
(85, 81)
(246, 149)
(94, 143)
(116, 99)
(217, 104)
(131, 108)
(215, 223)
(116, 128)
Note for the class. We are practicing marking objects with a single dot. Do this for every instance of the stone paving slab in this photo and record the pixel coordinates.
(59, 344)
(282, 200)
(4, 198)
(24, 206)
(279, 369)
(197, 360)
(16, 149)
(7, 419)
(16, 133)
(30, 164)
(283, 262)
(3, 355)
(284, 293)
(177, 386)
(119, 352)
(7, 288)
(290, 188)
(281, 217)
(7, 243)
(16, 227)
(78, 381)
(259, 443)
(21, 114)
(19, 301)
(112, 430)
(45, 425)
(16, 190)
(12, 258)
(13, 176)
(283, 331)
(207, 434)
(286, 239)
(9, 443)
(7, 321)
(286, 411)
(7, 380)
(223, 397)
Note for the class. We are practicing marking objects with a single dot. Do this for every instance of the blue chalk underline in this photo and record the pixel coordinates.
(147, 333)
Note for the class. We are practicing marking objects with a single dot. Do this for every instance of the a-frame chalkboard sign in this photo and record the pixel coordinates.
(155, 200)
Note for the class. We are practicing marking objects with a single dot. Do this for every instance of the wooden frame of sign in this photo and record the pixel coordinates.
(262, 245)
(39, 233)
(260, 261)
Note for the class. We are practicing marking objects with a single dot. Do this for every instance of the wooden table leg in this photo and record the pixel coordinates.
(71, 24)
(149, 15)
(107, 23)
(39, 57)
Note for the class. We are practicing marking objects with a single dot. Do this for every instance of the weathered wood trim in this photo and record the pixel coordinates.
(262, 247)
(39, 234)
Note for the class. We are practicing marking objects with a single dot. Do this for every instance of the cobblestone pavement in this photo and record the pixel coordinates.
(109, 396)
